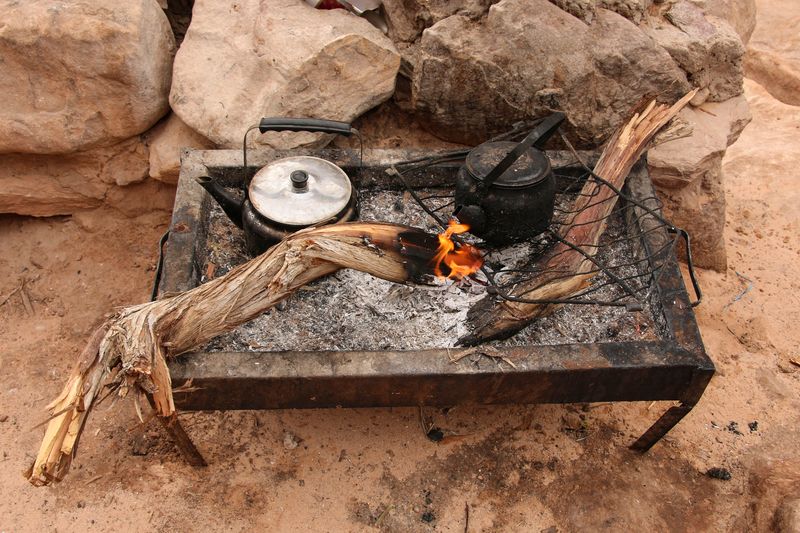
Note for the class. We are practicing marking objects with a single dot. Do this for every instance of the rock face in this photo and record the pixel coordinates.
(688, 175)
(586, 10)
(773, 55)
(773, 480)
(740, 14)
(707, 48)
(408, 18)
(81, 74)
(46, 185)
(166, 142)
(474, 78)
(242, 61)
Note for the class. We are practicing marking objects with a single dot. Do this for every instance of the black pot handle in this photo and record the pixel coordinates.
(537, 137)
(304, 124)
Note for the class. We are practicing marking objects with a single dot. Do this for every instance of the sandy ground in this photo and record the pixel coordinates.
(517, 468)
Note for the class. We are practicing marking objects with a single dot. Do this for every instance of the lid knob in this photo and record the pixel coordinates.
(299, 180)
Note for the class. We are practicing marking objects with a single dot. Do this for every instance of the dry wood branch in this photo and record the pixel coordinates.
(132, 347)
(492, 319)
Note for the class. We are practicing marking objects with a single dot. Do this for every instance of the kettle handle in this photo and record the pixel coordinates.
(297, 124)
(537, 137)
(304, 124)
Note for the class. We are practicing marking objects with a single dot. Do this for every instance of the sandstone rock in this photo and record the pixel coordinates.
(787, 517)
(166, 142)
(240, 62)
(773, 481)
(688, 175)
(715, 126)
(46, 185)
(773, 55)
(582, 9)
(699, 208)
(633, 10)
(475, 78)
(740, 14)
(408, 18)
(707, 48)
(81, 74)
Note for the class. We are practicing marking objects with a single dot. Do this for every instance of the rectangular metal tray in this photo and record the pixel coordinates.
(675, 367)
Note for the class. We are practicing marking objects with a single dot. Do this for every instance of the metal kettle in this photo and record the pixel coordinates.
(290, 193)
(505, 191)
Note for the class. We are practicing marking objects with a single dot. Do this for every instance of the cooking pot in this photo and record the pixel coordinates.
(505, 191)
(290, 193)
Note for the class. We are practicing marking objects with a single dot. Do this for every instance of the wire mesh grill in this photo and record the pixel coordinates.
(624, 271)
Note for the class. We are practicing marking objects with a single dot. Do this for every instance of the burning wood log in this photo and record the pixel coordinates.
(131, 348)
(567, 269)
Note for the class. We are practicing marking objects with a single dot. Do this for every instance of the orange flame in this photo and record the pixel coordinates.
(462, 262)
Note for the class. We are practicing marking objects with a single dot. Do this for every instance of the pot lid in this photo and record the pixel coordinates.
(531, 167)
(300, 191)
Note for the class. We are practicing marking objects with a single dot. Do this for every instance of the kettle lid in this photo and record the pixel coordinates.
(300, 190)
(529, 169)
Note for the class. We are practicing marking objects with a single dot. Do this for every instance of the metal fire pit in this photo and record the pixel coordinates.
(673, 367)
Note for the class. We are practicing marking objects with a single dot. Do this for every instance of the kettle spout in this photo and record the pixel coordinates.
(227, 200)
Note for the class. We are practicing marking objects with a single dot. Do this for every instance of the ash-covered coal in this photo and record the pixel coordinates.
(350, 310)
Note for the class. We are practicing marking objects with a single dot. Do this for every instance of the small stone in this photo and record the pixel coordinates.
(141, 445)
(572, 421)
(719, 473)
(435, 434)
(733, 427)
(3, 418)
(428, 517)
(753, 426)
(290, 442)
(700, 98)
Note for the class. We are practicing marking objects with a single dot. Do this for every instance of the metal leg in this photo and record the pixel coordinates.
(694, 390)
(667, 421)
(181, 439)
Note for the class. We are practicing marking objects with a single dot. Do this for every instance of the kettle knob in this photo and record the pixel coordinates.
(474, 217)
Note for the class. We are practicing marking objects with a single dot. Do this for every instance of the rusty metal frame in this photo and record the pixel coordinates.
(673, 368)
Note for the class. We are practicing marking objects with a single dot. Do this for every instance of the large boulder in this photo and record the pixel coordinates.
(474, 78)
(773, 55)
(707, 48)
(81, 74)
(740, 14)
(242, 61)
(46, 185)
(688, 175)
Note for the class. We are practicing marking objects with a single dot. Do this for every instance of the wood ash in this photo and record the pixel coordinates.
(351, 310)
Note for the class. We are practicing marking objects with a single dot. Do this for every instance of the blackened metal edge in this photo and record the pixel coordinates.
(549, 374)
(187, 231)
(672, 294)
